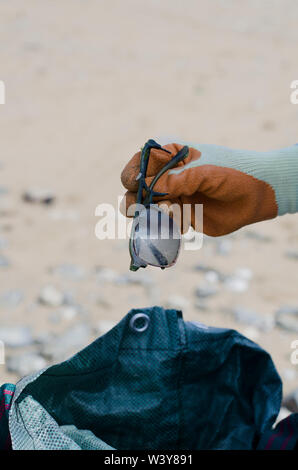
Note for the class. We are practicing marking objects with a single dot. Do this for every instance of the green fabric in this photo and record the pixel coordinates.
(279, 168)
(175, 385)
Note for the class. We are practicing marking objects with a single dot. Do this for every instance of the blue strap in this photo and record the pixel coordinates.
(6, 395)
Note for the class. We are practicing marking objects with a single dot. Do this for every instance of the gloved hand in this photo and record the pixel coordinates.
(236, 187)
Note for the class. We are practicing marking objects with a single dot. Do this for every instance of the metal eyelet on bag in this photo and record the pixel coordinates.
(139, 318)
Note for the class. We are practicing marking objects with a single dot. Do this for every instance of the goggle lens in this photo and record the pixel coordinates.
(156, 238)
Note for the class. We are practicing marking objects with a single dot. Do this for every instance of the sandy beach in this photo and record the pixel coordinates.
(87, 83)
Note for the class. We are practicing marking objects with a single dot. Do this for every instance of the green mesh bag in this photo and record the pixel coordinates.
(154, 381)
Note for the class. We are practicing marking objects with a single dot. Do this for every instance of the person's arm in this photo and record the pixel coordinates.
(236, 187)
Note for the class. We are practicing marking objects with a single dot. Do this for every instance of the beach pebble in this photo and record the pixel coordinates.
(212, 277)
(177, 302)
(25, 364)
(100, 300)
(72, 340)
(236, 284)
(289, 375)
(11, 298)
(69, 272)
(141, 278)
(211, 274)
(292, 254)
(3, 243)
(239, 280)
(249, 317)
(200, 305)
(205, 290)
(69, 215)
(43, 338)
(243, 273)
(3, 190)
(258, 236)
(51, 296)
(4, 262)
(16, 336)
(224, 247)
(39, 196)
(69, 298)
(203, 268)
(66, 313)
(103, 274)
(287, 318)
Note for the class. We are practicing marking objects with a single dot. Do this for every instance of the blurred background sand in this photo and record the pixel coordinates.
(87, 83)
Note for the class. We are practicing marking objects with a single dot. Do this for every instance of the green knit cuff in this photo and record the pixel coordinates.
(279, 168)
